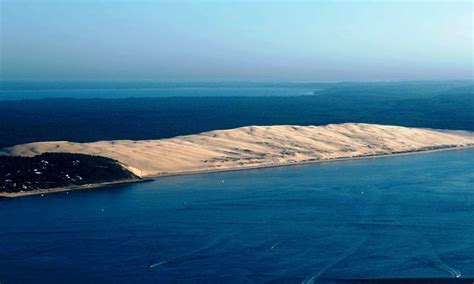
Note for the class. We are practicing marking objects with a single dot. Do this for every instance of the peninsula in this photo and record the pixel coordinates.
(256, 146)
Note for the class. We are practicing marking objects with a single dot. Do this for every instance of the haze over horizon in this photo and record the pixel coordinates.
(242, 41)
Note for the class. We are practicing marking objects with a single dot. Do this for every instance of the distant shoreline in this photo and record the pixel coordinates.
(152, 177)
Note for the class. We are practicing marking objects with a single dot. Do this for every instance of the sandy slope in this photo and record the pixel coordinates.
(256, 146)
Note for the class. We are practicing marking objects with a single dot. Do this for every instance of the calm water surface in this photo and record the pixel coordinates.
(410, 216)
(153, 93)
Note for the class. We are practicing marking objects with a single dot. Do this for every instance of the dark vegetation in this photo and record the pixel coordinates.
(442, 105)
(52, 170)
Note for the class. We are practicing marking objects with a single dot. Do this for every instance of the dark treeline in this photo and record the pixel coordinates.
(52, 170)
(84, 120)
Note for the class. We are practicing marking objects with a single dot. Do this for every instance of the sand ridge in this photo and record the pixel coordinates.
(256, 146)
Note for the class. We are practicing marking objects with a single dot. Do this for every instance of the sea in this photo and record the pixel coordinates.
(385, 218)
(11, 91)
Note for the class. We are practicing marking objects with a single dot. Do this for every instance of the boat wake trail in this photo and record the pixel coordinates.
(454, 272)
(191, 255)
(352, 250)
(372, 207)
(440, 265)
(274, 245)
(438, 262)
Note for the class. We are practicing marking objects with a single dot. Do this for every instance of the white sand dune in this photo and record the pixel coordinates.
(257, 146)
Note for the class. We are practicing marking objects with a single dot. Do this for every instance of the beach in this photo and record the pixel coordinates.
(256, 147)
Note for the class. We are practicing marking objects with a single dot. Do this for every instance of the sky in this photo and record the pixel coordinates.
(236, 40)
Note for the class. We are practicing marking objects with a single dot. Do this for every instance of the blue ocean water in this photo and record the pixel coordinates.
(407, 216)
(108, 93)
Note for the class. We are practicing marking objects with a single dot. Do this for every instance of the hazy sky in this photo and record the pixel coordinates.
(230, 40)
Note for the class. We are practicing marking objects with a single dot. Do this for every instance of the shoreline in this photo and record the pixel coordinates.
(374, 156)
(152, 177)
(77, 187)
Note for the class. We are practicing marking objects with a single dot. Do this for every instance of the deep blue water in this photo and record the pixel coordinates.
(108, 93)
(409, 216)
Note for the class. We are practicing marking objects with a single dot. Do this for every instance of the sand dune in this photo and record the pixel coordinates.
(256, 146)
